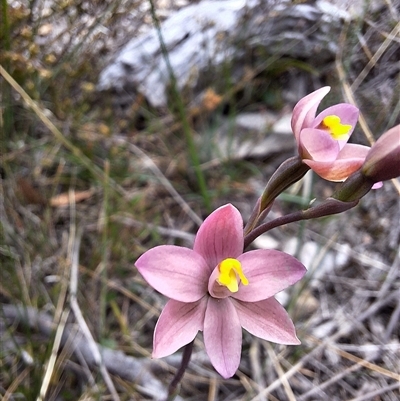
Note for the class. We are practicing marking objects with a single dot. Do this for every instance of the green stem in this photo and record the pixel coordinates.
(8, 119)
(193, 154)
(105, 251)
(6, 26)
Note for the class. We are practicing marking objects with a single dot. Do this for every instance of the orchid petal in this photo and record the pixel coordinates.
(220, 236)
(347, 113)
(268, 320)
(318, 145)
(377, 185)
(177, 326)
(304, 111)
(178, 273)
(223, 336)
(349, 160)
(354, 151)
(268, 272)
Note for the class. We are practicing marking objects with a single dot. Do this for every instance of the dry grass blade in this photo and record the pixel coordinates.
(256, 364)
(60, 319)
(212, 392)
(14, 385)
(359, 361)
(278, 382)
(281, 373)
(392, 35)
(74, 247)
(319, 388)
(374, 394)
(53, 357)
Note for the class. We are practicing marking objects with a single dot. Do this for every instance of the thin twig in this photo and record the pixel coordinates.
(53, 357)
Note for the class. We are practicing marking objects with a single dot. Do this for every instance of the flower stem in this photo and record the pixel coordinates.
(187, 353)
(326, 208)
(263, 228)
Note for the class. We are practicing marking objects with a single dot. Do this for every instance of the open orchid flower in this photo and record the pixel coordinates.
(219, 289)
(322, 139)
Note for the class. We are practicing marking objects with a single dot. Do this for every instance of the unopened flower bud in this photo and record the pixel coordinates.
(383, 160)
(354, 188)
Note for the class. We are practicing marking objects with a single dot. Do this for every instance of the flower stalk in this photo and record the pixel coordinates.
(173, 388)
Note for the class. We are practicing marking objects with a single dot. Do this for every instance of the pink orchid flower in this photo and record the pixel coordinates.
(322, 140)
(219, 289)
